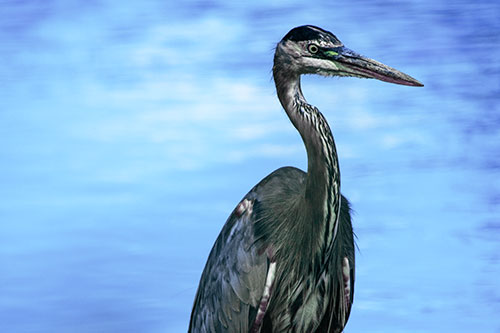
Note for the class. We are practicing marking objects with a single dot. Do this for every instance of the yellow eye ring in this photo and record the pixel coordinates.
(313, 48)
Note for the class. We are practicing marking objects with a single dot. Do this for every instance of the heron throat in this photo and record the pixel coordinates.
(322, 189)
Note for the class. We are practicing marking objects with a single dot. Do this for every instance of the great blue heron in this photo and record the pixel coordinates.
(284, 260)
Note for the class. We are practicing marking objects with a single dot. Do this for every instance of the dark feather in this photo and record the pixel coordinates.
(234, 276)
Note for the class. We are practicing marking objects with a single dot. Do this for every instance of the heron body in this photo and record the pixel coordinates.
(284, 260)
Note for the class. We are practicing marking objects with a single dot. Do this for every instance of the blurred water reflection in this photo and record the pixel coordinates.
(130, 131)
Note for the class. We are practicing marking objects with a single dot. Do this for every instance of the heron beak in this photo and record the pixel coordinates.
(356, 65)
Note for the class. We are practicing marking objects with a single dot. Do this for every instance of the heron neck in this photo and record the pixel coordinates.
(322, 191)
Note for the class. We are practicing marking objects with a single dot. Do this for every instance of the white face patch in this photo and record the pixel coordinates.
(320, 66)
(299, 59)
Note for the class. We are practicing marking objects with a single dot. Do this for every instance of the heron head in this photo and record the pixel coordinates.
(311, 50)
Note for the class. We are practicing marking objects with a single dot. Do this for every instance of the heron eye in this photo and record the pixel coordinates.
(313, 48)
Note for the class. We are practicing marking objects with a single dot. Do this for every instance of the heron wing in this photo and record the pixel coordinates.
(342, 275)
(347, 251)
(234, 277)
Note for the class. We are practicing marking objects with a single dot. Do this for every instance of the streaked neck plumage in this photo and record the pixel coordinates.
(322, 191)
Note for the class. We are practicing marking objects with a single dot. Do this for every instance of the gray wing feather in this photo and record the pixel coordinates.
(233, 280)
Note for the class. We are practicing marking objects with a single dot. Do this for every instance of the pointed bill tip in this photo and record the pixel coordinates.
(370, 68)
(412, 83)
(376, 70)
(404, 79)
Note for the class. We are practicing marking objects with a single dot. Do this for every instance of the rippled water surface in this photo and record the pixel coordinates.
(130, 131)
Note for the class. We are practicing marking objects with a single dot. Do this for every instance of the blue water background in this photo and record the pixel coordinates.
(130, 130)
